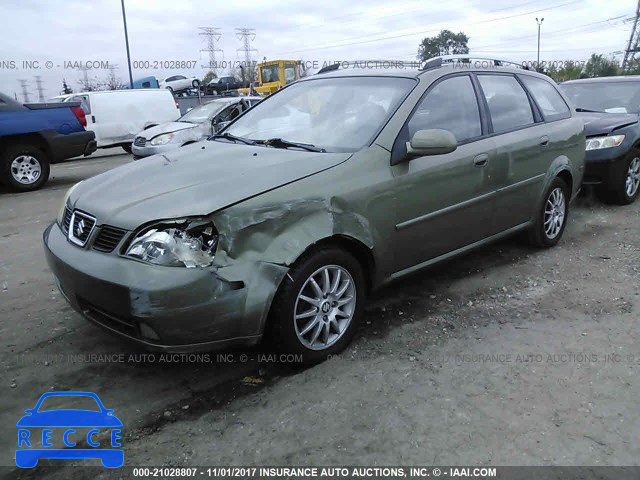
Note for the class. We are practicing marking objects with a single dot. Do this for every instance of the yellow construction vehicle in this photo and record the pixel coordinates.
(273, 75)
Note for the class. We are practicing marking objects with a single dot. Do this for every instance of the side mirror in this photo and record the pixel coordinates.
(431, 142)
(217, 126)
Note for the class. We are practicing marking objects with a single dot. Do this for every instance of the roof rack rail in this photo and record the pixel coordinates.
(370, 63)
(436, 62)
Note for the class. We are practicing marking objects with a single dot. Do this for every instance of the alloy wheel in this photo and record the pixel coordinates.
(26, 169)
(633, 177)
(324, 307)
(554, 213)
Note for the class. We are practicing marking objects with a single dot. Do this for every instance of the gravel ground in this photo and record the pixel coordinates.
(506, 356)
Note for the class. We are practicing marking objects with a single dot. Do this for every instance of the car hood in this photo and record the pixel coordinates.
(196, 180)
(69, 418)
(604, 123)
(169, 127)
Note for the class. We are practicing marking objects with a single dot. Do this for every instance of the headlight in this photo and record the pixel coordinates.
(64, 202)
(177, 243)
(597, 143)
(162, 139)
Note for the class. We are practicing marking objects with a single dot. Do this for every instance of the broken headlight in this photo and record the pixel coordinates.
(181, 243)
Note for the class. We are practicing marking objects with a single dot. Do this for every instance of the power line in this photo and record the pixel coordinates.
(212, 35)
(634, 40)
(25, 93)
(39, 88)
(424, 32)
(246, 36)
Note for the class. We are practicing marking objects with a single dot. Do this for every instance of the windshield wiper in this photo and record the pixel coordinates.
(580, 109)
(233, 138)
(280, 143)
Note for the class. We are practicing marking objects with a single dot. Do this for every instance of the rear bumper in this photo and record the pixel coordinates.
(71, 145)
(164, 308)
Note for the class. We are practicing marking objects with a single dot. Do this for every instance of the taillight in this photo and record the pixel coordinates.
(79, 113)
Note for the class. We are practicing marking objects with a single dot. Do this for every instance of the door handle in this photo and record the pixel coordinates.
(481, 160)
(93, 119)
(544, 140)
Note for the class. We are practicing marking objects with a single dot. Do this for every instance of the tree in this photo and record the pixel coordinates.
(112, 82)
(568, 71)
(445, 43)
(599, 66)
(208, 77)
(66, 89)
(88, 84)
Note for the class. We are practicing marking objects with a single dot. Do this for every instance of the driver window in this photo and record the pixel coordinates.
(451, 105)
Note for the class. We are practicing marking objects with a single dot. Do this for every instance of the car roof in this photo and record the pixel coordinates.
(381, 71)
(617, 78)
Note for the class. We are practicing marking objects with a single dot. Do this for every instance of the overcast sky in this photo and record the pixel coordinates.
(159, 30)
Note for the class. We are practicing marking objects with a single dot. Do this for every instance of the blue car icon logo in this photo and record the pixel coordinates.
(40, 428)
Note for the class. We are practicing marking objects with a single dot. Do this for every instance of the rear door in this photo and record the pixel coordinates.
(443, 201)
(520, 135)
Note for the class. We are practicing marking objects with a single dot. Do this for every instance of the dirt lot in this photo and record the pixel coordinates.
(507, 356)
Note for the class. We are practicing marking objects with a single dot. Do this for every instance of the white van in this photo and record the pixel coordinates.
(116, 116)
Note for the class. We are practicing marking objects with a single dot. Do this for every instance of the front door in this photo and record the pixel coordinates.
(443, 201)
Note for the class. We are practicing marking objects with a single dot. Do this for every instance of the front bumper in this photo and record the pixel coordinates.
(148, 150)
(164, 308)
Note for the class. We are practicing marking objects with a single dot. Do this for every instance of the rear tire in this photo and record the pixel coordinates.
(551, 218)
(24, 168)
(318, 320)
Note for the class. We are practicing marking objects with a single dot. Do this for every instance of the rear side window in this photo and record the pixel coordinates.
(509, 105)
(547, 97)
(451, 105)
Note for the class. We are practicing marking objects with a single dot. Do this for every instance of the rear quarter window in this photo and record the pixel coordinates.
(547, 98)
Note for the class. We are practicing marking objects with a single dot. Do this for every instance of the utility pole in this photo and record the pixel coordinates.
(212, 35)
(25, 93)
(39, 88)
(634, 40)
(539, 22)
(126, 41)
(247, 35)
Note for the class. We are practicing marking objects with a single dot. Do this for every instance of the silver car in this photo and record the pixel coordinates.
(195, 125)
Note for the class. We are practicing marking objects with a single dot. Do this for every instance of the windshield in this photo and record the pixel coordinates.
(203, 113)
(610, 97)
(336, 114)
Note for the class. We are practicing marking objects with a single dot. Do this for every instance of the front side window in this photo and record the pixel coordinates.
(547, 97)
(270, 73)
(451, 105)
(289, 73)
(509, 105)
(339, 114)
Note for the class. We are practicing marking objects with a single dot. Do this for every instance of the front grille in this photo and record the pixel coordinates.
(81, 226)
(139, 141)
(108, 238)
(66, 220)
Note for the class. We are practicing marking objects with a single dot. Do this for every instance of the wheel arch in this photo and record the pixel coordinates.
(34, 139)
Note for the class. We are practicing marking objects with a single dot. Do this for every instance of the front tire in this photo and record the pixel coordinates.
(127, 148)
(317, 308)
(551, 219)
(24, 168)
(624, 189)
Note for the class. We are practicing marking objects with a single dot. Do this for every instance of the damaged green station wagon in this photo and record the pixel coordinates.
(338, 183)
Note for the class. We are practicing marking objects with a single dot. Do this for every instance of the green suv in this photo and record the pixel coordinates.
(341, 182)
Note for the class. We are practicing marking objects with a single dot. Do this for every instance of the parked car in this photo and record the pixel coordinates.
(221, 85)
(116, 116)
(610, 107)
(34, 136)
(195, 125)
(179, 83)
(333, 186)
